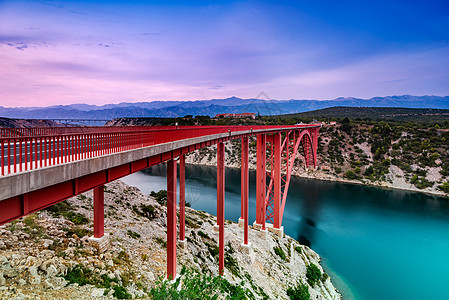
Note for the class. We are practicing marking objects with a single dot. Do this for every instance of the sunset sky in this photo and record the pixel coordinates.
(98, 52)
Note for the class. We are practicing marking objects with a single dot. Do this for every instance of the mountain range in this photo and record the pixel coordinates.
(215, 106)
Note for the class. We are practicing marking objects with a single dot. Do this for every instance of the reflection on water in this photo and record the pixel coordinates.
(383, 244)
(310, 215)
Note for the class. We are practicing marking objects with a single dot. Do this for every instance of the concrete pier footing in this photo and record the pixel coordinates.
(269, 227)
(245, 248)
(102, 243)
(182, 244)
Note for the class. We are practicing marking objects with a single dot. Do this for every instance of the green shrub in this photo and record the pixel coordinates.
(213, 249)
(30, 221)
(146, 211)
(192, 223)
(161, 242)
(229, 261)
(350, 174)
(161, 196)
(300, 292)
(203, 235)
(444, 187)
(298, 249)
(313, 274)
(121, 293)
(78, 219)
(59, 208)
(65, 209)
(133, 234)
(199, 286)
(124, 256)
(280, 252)
(80, 274)
(80, 232)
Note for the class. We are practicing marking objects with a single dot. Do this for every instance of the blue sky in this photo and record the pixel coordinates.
(97, 52)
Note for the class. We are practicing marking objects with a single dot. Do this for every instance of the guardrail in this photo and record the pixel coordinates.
(48, 146)
(41, 131)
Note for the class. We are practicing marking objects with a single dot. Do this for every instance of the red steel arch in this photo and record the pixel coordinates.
(280, 165)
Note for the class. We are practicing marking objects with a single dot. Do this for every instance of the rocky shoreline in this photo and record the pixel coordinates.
(41, 254)
(395, 177)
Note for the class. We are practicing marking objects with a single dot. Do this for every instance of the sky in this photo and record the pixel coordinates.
(98, 52)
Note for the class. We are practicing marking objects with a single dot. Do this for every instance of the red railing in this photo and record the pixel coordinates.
(40, 131)
(31, 148)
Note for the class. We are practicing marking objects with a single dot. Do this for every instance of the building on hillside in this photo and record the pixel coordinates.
(237, 116)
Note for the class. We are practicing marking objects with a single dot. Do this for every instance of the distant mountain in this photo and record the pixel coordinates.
(215, 106)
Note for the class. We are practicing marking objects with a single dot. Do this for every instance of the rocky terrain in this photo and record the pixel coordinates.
(47, 255)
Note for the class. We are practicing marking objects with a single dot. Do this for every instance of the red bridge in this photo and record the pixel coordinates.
(43, 166)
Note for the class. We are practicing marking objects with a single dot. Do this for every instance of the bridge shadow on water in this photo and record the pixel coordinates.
(310, 214)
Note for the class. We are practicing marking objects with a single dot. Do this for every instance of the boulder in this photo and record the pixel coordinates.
(48, 285)
(2, 280)
(51, 271)
(97, 293)
(47, 243)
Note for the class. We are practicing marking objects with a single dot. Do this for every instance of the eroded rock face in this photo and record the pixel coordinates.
(136, 254)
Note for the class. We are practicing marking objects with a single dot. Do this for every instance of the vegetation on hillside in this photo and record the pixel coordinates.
(398, 114)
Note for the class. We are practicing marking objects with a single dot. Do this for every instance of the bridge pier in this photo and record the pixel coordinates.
(171, 219)
(99, 211)
(315, 147)
(261, 181)
(220, 204)
(99, 240)
(244, 188)
(277, 180)
(182, 200)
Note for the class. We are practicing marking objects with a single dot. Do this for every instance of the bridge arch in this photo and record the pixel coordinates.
(280, 165)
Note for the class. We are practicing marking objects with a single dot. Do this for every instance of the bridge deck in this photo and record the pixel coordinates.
(66, 164)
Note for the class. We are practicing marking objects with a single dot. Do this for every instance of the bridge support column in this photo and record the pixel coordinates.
(315, 147)
(99, 240)
(171, 219)
(244, 188)
(99, 211)
(182, 200)
(277, 181)
(220, 204)
(261, 181)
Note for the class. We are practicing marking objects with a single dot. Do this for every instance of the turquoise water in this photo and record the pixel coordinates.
(375, 243)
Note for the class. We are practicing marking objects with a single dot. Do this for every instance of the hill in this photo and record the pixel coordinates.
(20, 123)
(421, 115)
